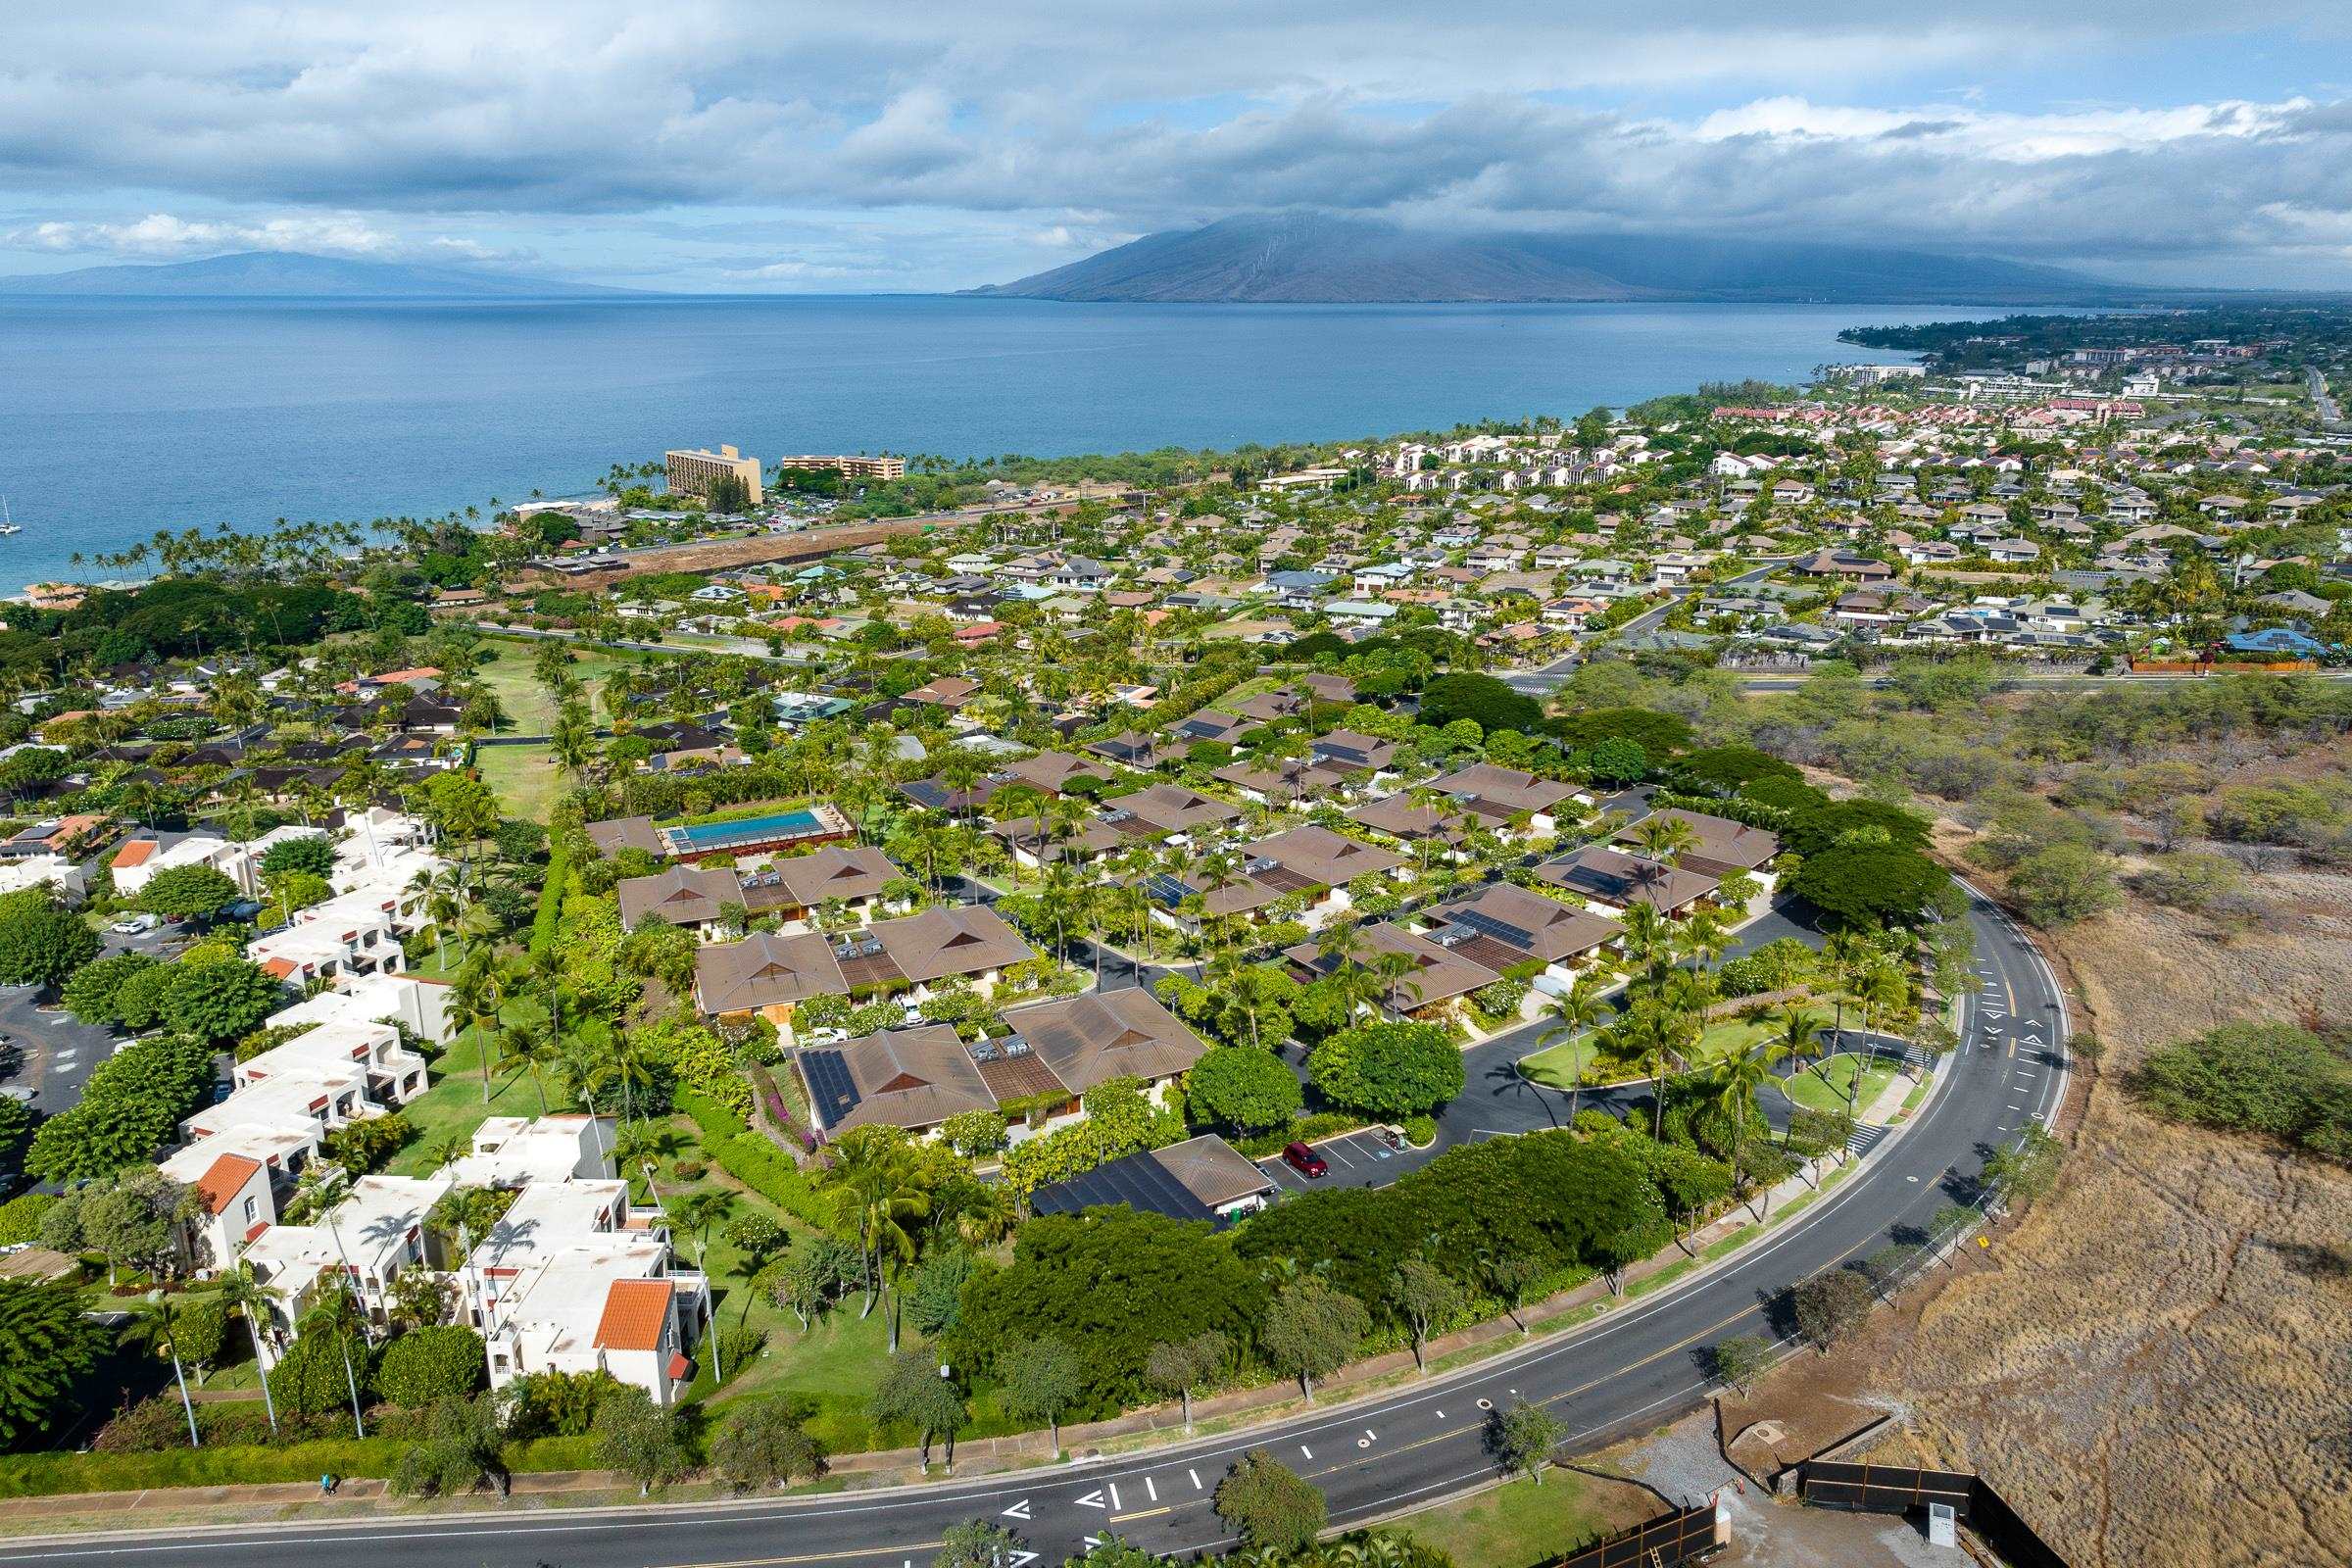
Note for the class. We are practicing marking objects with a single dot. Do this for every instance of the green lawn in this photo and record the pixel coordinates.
(524, 778)
(1520, 1524)
(518, 692)
(453, 1107)
(1808, 1087)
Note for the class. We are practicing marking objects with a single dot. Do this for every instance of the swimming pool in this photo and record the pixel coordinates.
(755, 832)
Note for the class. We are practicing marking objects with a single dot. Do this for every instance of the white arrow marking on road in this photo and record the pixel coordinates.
(1019, 1559)
(1093, 1540)
(1092, 1499)
(1019, 1510)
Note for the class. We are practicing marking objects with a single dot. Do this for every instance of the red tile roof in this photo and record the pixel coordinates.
(635, 1313)
(224, 1180)
(135, 853)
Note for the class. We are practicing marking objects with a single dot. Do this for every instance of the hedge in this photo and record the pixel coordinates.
(42, 1475)
(550, 914)
(753, 1160)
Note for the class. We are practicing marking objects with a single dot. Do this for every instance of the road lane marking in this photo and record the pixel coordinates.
(1142, 1513)
(1019, 1510)
(1114, 1494)
(1196, 1474)
(1092, 1499)
(1152, 1490)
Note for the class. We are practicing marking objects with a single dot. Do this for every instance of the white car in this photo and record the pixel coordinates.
(136, 925)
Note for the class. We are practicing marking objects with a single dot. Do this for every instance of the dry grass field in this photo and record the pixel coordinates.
(2157, 1366)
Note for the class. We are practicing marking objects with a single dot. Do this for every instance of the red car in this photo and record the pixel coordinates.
(1305, 1161)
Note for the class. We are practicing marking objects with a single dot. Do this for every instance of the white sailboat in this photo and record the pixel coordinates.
(8, 524)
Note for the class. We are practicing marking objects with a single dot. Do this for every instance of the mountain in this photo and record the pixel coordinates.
(257, 274)
(1304, 258)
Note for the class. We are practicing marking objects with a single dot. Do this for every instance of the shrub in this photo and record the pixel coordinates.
(21, 1217)
(427, 1364)
(363, 1147)
(1830, 1305)
(2267, 1078)
(1420, 1131)
(1387, 1069)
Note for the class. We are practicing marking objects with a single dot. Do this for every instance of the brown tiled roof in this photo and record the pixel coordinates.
(626, 833)
(764, 970)
(1624, 879)
(636, 1312)
(1107, 1034)
(1053, 771)
(1322, 858)
(1718, 844)
(222, 1180)
(836, 872)
(1438, 973)
(681, 895)
(898, 1078)
(1503, 792)
(960, 938)
(1555, 930)
(1173, 809)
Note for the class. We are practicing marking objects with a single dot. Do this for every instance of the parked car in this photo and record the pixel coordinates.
(1305, 1161)
(134, 925)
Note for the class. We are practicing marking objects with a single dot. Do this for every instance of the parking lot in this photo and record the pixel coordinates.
(1358, 1160)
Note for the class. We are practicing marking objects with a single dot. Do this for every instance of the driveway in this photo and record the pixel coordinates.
(58, 1053)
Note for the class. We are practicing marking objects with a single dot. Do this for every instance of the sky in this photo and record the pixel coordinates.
(775, 146)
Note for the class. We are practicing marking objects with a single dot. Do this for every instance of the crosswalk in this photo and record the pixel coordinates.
(1863, 1137)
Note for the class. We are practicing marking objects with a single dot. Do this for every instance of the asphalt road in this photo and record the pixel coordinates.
(1627, 1371)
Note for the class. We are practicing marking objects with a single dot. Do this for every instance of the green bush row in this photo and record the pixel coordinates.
(42, 1475)
(550, 913)
(752, 1159)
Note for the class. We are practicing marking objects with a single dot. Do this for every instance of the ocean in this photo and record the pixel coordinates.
(120, 417)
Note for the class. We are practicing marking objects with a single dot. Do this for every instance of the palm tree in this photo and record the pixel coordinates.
(1663, 838)
(626, 1062)
(151, 1328)
(470, 1212)
(1579, 1009)
(1843, 953)
(1883, 990)
(479, 994)
(242, 1292)
(1738, 1078)
(876, 1194)
(531, 1045)
(695, 1213)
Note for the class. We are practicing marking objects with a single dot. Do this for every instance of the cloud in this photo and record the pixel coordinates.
(165, 236)
(1050, 126)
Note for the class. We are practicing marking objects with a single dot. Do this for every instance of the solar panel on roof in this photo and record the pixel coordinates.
(831, 1093)
(1138, 1181)
(1500, 930)
(1165, 890)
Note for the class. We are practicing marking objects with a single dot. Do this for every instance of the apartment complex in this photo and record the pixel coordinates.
(850, 467)
(693, 472)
